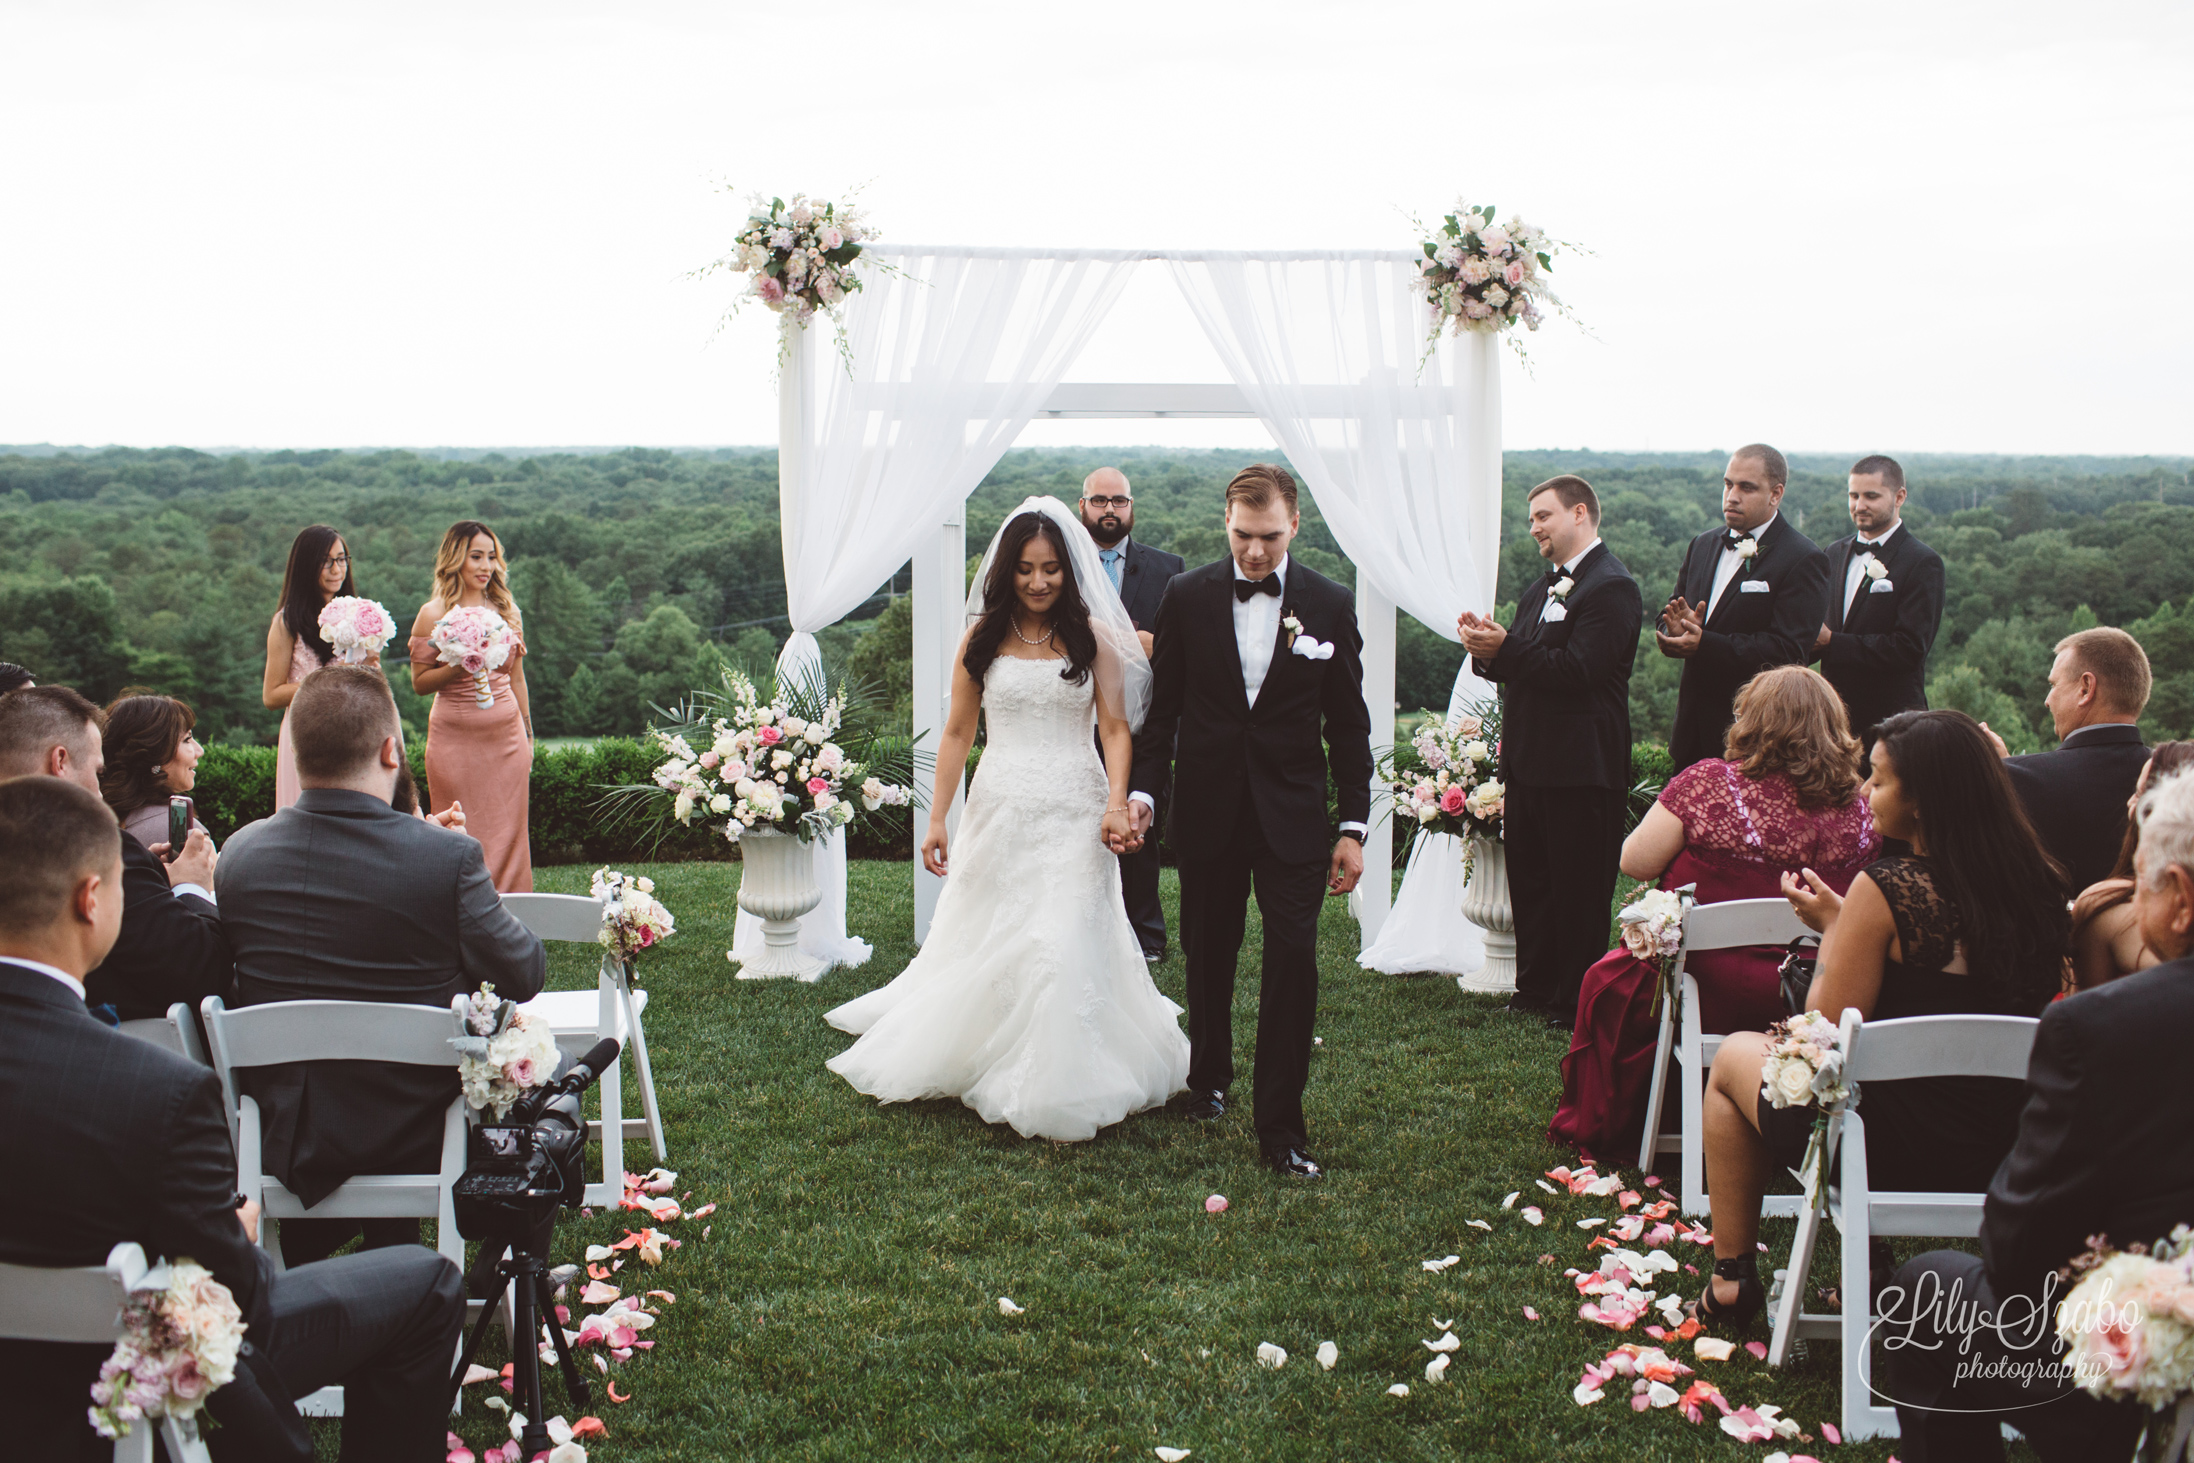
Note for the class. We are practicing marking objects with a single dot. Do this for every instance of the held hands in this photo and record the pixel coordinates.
(1347, 867)
(1481, 635)
(933, 848)
(194, 865)
(1118, 832)
(1813, 901)
(1682, 626)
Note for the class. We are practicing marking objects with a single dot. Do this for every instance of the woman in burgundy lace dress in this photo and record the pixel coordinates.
(1785, 798)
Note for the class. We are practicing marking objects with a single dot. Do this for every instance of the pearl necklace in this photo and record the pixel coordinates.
(1044, 639)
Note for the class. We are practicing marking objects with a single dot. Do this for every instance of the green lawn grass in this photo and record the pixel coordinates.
(845, 1303)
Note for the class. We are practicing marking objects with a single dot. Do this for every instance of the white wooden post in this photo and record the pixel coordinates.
(940, 599)
(1375, 618)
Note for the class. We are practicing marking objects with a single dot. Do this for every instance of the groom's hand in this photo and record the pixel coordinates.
(1138, 818)
(1347, 867)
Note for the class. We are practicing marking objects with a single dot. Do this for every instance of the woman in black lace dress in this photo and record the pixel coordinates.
(1973, 920)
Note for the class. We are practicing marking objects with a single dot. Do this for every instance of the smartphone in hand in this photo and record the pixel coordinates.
(181, 813)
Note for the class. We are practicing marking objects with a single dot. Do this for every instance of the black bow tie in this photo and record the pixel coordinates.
(1556, 574)
(1865, 550)
(1244, 588)
(1736, 538)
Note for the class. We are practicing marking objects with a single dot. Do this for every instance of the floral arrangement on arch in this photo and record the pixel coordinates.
(1804, 1067)
(356, 628)
(2128, 1329)
(504, 1054)
(1481, 276)
(181, 1333)
(1449, 782)
(801, 256)
(633, 919)
(785, 762)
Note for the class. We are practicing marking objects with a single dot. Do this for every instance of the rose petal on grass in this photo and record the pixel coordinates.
(1530, 1314)
(1170, 1455)
(599, 1252)
(1271, 1357)
(1436, 1368)
(702, 1213)
(479, 1373)
(1447, 1342)
(598, 1293)
(1510, 1201)
(1533, 1215)
(1477, 1224)
(1713, 1348)
(1216, 1204)
(1828, 1431)
(1440, 1325)
(1436, 1266)
(589, 1427)
(614, 1397)
(1585, 1394)
(667, 1297)
(1758, 1350)
(1399, 1389)
(1590, 1223)
(1006, 1307)
(1542, 1183)
(1328, 1354)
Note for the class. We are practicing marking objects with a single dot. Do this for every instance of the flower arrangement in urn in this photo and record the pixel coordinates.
(774, 764)
(181, 1334)
(1451, 782)
(1481, 276)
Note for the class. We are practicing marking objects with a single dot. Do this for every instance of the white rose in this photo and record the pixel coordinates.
(1476, 751)
(1793, 1083)
(1876, 569)
(1747, 547)
(780, 760)
(745, 787)
(794, 726)
(721, 803)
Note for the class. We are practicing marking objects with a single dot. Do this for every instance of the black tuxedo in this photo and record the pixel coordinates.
(105, 1139)
(1144, 574)
(2075, 796)
(1565, 762)
(2105, 1146)
(1876, 656)
(1748, 631)
(1249, 810)
(171, 947)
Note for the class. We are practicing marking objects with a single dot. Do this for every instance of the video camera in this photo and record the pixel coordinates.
(521, 1169)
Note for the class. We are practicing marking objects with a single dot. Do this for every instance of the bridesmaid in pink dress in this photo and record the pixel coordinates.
(319, 570)
(1786, 798)
(479, 758)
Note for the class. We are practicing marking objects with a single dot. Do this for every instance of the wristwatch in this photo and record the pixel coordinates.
(1355, 833)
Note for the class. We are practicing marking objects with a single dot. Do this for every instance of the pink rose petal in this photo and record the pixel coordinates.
(1530, 1314)
(1828, 1431)
(1216, 1204)
(1758, 1350)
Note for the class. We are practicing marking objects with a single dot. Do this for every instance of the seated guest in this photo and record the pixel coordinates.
(1972, 920)
(2106, 936)
(2098, 688)
(171, 948)
(151, 755)
(13, 677)
(1785, 798)
(341, 897)
(2104, 1149)
(141, 1131)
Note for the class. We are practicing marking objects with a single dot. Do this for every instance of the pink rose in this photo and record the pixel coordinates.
(770, 736)
(474, 663)
(709, 759)
(185, 1380)
(1514, 274)
(525, 1071)
(818, 784)
(1451, 801)
(770, 290)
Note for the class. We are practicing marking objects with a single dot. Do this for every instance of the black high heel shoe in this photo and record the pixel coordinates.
(1739, 1313)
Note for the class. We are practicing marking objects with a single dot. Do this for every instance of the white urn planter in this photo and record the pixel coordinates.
(777, 885)
(1485, 904)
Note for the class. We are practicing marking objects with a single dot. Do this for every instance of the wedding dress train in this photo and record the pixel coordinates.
(1030, 1001)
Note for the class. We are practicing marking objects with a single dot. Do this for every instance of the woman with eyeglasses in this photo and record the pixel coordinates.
(319, 570)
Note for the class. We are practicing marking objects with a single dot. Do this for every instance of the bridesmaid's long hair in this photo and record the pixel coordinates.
(302, 598)
(449, 568)
(1986, 860)
(1070, 621)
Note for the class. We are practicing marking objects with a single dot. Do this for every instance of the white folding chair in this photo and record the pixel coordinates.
(1887, 1051)
(1729, 925)
(580, 1019)
(321, 1031)
(83, 1305)
(176, 1031)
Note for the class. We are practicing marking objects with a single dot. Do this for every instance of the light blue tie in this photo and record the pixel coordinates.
(1111, 559)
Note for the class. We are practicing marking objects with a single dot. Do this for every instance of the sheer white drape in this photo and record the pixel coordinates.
(951, 356)
(1405, 463)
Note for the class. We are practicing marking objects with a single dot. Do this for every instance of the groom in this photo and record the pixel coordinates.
(1256, 662)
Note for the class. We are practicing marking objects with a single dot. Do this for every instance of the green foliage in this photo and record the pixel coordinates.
(70, 633)
(235, 786)
(884, 658)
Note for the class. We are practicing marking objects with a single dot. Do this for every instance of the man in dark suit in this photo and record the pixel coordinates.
(1885, 603)
(1257, 689)
(2076, 796)
(1140, 573)
(340, 897)
(171, 946)
(1563, 665)
(1751, 594)
(137, 1135)
(2105, 1147)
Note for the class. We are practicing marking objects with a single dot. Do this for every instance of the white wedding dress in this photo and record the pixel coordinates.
(1030, 1001)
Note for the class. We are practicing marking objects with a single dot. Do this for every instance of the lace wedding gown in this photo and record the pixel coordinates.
(1030, 1001)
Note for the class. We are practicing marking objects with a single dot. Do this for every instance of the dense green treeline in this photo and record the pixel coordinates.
(639, 571)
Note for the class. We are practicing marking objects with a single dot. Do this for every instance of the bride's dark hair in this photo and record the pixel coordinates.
(1070, 621)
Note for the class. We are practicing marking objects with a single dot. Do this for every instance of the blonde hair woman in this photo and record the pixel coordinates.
(479, 758)
(1785, 798)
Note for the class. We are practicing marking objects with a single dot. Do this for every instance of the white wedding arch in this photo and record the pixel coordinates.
(955, 350)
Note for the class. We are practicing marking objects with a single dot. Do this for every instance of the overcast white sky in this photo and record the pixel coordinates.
(1906, 227)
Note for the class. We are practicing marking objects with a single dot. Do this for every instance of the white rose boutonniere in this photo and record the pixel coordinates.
(1293, 626)
(1562, 587)
(1748, 549)
(1876, 569)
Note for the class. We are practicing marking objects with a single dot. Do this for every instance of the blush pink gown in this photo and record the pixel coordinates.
(480, 756)
(302, 663)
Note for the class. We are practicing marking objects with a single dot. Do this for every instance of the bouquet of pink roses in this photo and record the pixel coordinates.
(2128, 1330)
(181, 1332)
(633, 919)
(504, 1054)
(357, 628)
(477, 640)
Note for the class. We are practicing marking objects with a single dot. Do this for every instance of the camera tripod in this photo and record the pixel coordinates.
(532, 1297)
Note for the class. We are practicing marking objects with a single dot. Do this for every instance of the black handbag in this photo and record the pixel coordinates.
(1796, 974)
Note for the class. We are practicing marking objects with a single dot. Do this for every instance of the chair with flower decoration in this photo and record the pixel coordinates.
(579, 1019)
(81, 1305)
(1732, 924)
(1885, 1051)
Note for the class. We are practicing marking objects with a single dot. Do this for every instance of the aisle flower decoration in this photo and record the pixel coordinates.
(802, 258)
(2128, 1331)
(181, 1332)
(1804, 1067)
(1653, 931)
(504, 1054)
(356, 628)
(1482, 276)
(633, 919)
(1449, 780)
(477, 641)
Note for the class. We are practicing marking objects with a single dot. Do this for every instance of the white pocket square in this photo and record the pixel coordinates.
(1310, 649)
(1881, 586)
(1555, 610)
(1753, 586)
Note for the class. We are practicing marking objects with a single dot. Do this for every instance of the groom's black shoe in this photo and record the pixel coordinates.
(1293, 1162)
(1203, 1106)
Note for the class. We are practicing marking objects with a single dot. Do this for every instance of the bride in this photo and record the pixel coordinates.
(1030, 1001)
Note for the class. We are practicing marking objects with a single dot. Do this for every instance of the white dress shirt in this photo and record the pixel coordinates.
(1570, 570)
(76, 987)
(1857, 568)
(1726, 570)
